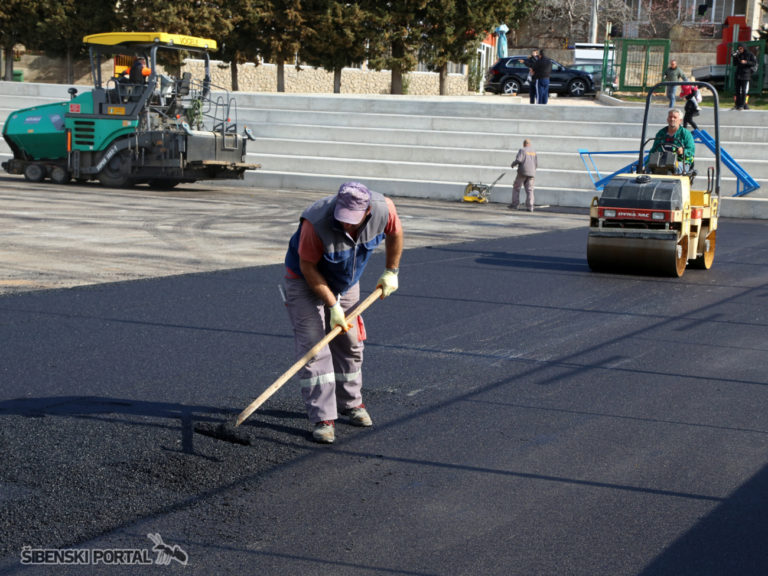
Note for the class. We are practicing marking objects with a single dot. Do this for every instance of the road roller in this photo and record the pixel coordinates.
(652, 221)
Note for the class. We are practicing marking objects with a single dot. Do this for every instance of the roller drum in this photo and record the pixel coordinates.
(666, 256)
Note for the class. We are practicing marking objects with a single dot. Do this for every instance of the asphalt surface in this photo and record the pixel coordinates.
(531, 417)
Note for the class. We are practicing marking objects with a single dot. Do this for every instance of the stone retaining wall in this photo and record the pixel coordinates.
(262, 78)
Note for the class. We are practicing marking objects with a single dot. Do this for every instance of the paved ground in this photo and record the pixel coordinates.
(531, 417)
(58, 237)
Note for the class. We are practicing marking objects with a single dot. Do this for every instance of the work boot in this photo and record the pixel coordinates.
(324, 432)
(358, 416)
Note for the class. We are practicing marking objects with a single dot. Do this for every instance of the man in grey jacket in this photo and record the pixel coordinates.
(526, 175)
(673, 74)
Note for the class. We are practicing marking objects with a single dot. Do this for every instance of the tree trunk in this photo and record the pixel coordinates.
(281, 76)
(8, 52)
(70, 67)
(443, 78)
(398, 51)
(397, 79)
(337, 81)
(233, 73)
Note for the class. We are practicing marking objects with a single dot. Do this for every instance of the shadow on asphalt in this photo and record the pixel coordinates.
(155, 414)
(730, 540)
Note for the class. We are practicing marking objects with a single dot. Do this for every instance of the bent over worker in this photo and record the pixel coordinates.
(325, 260)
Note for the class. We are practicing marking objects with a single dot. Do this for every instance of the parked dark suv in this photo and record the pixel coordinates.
(509, 74)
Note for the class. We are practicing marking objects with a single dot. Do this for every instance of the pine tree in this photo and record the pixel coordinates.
(455, 28)
(279, 32)
(395, 29)
(71, 20)
(335, 37)
(19, 25)
(209, 19)
(240, 44)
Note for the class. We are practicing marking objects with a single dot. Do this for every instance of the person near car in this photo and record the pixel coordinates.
(673, 74)
(526, 163)
(325, 259)
(677, 139)
(744, 63)
(530, 61)
(542, 70)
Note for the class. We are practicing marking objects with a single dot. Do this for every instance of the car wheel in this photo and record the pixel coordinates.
(577, 87)
(511, 86)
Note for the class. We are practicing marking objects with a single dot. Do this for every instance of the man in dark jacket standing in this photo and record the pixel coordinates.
(542, 70)
(743, 63)
(530, 62)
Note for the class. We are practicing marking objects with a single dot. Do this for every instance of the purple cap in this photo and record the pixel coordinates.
(352, 201)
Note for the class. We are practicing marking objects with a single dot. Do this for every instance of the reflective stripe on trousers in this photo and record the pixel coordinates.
(333, 379)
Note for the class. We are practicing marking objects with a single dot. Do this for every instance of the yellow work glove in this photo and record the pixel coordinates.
(387, 282)
(338, 318)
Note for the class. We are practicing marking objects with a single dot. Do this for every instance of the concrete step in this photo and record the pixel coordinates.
(531, 127)
(509, 141)
(745, 207)
(569, 160)
(419, 171)
(487, 106)
(433, 146)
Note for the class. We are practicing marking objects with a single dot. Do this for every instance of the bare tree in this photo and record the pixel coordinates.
(569, 20)
(661, 16)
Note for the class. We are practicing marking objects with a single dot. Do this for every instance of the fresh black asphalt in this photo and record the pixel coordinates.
(531, 417)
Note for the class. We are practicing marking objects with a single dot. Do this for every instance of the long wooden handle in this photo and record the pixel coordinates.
(277, 384)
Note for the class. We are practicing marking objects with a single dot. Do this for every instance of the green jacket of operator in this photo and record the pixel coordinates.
(676, 137)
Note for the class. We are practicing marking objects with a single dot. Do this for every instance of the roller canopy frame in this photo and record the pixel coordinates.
(745, 183)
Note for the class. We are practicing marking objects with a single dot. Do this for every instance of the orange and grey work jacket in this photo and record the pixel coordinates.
(344, 258)
(526, 162)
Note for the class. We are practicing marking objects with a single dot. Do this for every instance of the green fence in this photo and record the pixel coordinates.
(641, 63)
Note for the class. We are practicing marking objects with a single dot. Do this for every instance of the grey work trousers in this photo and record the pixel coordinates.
(527, 182)
(333, 379)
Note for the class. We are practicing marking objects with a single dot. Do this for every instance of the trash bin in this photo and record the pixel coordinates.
(18, 75)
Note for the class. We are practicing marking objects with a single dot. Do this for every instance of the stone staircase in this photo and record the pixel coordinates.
(431, 147)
